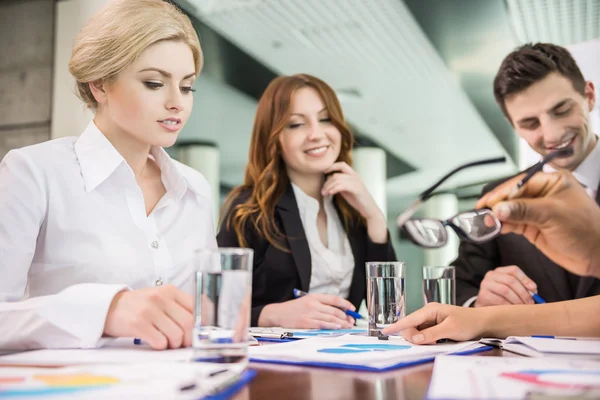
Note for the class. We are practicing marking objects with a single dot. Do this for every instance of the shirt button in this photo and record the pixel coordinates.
(159, 282)
(154, 244)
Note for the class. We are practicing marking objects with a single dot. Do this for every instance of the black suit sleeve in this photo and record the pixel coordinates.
(380, 251)
(474, 261)
(228, 238)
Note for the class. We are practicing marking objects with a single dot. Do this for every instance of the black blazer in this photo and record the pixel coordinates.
(553, 282)
(276, 273)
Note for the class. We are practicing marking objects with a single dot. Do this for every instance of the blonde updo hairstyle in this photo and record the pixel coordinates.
(118, 33)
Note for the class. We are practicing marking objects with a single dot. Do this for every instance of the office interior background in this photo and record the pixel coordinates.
(414, 78)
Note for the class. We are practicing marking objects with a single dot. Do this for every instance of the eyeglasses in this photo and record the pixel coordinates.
(474, 225)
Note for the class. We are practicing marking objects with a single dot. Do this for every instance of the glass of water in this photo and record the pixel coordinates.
(439, 285)
(386, 300)
(223, 302)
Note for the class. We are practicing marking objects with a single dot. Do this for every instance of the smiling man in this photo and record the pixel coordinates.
(543, 94)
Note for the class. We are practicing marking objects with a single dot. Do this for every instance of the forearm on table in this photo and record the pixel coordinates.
(566, 318)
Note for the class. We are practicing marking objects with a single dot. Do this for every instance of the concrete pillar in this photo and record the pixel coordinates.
(204, 157)
(69, 115)
(370, 164)
(442, 207)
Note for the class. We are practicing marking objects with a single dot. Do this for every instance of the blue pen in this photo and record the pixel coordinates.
(353, 314)
(537, 298)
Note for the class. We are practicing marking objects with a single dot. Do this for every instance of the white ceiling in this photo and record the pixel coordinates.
(562, 22)
(393, 85)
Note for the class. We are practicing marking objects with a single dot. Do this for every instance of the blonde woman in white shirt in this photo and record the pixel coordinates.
(96, 231)
(304, 210)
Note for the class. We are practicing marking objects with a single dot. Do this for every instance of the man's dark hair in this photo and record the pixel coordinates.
(531, 63)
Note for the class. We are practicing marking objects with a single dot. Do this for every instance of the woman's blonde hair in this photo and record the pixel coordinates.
(118, 33)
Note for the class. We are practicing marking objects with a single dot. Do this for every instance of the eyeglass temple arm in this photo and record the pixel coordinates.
(425, 195)
(562, 153)
(405, 216)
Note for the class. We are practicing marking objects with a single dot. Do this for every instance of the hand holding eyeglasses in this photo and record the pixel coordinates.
(555, 214)
(474, 225)
(479, 225)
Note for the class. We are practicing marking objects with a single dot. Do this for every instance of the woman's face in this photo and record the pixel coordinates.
(151, 99)
(310, 143)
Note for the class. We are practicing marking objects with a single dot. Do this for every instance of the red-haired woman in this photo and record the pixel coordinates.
(304, 210)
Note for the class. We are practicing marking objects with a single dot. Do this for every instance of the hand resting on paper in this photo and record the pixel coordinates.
(439, 321)
(313, 311)
(161, 316)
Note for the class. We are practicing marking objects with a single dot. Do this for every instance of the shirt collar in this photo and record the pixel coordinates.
(588, 172)
(305, 201)
(99, 159)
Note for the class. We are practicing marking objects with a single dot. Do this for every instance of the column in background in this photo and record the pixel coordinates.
(69, 115)
(442, 207)
(204, 157)
(370, 164)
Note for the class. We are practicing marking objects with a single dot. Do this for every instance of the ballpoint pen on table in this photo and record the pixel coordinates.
(299, 293)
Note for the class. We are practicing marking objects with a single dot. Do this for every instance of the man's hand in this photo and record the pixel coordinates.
(555, 214)
(505, 285)
(161, 316)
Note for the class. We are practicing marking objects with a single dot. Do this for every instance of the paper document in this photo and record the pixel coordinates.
(546, 347)
(118, 351)
(506, 378)
(133, 381)
(353, 351)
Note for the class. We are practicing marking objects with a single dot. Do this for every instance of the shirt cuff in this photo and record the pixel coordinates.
(469, 302)
(81, 310)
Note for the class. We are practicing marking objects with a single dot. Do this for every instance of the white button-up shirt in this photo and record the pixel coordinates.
(74, 232)
(332, 267)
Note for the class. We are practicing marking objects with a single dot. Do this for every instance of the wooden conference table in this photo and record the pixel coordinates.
(300, 383)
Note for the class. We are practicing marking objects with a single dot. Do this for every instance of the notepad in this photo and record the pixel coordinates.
(547, 347)
(355, 352)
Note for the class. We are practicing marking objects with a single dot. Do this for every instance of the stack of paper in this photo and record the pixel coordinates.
(356, 352)
(119, 351)
(513, 378)
(143, 381)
